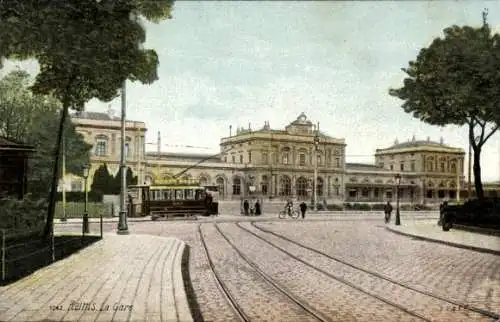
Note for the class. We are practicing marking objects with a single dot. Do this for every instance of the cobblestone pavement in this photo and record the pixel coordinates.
(459, 274)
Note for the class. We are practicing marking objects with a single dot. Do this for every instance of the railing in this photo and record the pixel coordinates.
(32, 245)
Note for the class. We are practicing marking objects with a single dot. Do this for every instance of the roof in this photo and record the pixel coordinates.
(8, 143)
(184, 155)
(417, 143)
(95, 116)
(364, 166)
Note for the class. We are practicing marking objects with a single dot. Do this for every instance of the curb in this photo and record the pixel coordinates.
(181, 301)
(451, 244)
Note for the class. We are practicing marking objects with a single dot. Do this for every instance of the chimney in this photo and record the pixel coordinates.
(249, 128)
(413, 138)
(230, 130)
(441, 140)
(159, 143)
(428, 139)
(110, 112)
(396, 141)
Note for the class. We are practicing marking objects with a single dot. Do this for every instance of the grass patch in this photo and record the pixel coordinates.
(25, 256)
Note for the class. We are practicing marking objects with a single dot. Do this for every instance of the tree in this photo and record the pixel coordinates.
(455, 81)
(86, 49)
(131, 180)
(103, 181)
(32, 119)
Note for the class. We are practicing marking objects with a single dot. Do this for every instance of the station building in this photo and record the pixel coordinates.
(279, 164)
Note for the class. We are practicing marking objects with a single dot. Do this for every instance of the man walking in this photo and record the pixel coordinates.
(387, 212)
(303, 208)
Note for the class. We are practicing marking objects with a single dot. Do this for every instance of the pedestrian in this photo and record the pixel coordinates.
(303, 208)
(245, 207)
(257, 208)
(387, 212)
(210, 204)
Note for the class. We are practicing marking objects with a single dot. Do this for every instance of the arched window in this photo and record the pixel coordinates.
(219, 182)
(453, 168)
(302, 186)
(203, 181)
(128, 147)
(319, 187)
(285, 186)
(236, 186)
(264, 184)
(101, 145)
(148, 180)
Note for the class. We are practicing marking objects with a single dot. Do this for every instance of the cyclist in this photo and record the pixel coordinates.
(289, 207)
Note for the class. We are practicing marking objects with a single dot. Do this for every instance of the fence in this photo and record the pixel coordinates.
(76, 209)
(25, 251)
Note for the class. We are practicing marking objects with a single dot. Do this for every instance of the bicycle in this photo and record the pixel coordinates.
(294, 213)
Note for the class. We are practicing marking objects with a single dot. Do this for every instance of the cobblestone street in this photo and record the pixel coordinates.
(346, 269)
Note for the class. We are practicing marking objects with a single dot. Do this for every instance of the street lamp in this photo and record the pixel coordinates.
(85, 226)
(398, 181)
(315, 178)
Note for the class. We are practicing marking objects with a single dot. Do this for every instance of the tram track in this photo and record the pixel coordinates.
(231, 298)
(456, 304)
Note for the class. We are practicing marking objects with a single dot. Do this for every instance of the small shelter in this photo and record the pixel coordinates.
(13, 168)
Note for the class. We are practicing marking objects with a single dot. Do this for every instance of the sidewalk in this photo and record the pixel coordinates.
(429, 230)
(119, 278)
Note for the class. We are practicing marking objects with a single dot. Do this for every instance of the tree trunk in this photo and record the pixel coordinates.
(55, 173)
(477, 173)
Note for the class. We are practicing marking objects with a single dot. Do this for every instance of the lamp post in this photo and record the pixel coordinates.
(122, 221)
(398, 181)
(85, 226)
(315, 178)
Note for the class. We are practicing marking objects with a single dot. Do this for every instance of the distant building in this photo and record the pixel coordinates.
(279, 163)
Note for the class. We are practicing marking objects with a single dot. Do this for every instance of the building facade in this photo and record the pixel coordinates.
(280, 164)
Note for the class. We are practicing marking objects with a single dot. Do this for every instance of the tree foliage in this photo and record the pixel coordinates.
(455, 81)
(131, 180)
(86, 49)
(33, 119)
(103, 181)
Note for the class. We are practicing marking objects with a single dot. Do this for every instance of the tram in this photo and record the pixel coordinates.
(170, 198)
(213, 206)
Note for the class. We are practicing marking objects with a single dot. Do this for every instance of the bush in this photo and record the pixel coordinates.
(334, 207)
(378, 207)
(347, 206)
(79, 196)
(26, 214)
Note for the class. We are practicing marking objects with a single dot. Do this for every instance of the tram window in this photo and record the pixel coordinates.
(189, 194)
(179, 194)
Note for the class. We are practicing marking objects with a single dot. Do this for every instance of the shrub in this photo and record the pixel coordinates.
(347, 206)
(76, 209)
(378, 207)
(334, 207)
(25, 214)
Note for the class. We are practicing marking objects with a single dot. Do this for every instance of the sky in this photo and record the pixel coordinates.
(235, 63)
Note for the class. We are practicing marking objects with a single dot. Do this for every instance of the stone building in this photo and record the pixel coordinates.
(279, 163)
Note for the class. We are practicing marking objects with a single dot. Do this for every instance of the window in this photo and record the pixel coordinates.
(241, 158)
(302, 187)
(365, 192)
(453, 168)
(442, 166)
(402, 166)
(225, 158)
(381, 164)
(203, 181)
(263, 185)
(319, 186)
(318, 159)
(392, 167)
(412, 166)
(234, 159)
(236, 186)
(337, 162)
(127, 150)
(375, 192)
(249, 157)
(353, 193)
(388, 194)
(101, 147)
(302, 159)
(220, 186)
(264, 158)
(76, 185)
(337, 191)
(285, 158)
(285, 186)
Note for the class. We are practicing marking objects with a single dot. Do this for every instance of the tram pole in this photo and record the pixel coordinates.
(122, 222)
